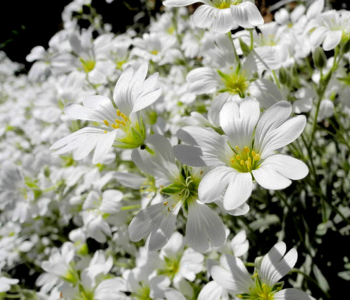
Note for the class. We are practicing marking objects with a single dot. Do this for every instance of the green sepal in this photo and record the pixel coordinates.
(172, 189)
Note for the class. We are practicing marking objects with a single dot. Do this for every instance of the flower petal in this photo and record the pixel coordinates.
(214, 183)
(292, 294)
(332, 39)
(202, 225)
(238, 191)
(238, 122)
(103, 146)
(275, 264)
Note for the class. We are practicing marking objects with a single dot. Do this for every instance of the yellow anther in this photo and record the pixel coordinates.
(118, 121)
(123, 123)
(124, 117)
(237, 148)
(105, 131)
(257, 157)
(242, 162)
(165, 203)
(250, 160)
(115, 126)
(232, 161)
(253, 153)
(238, 157)
(263, 285)
(201, 172)
(240, 296)
(173, 206)
(255, 275)
(246, 149)
(106, 122)
(168, 209)
(118, 112)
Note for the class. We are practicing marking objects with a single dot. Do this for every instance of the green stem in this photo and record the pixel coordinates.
(131, 207)
(234, 48)
(324, 81)
(251, 39)
(276, 79)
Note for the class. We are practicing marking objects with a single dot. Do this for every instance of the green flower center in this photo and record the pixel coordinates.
(134, 132)
(261, 291)
(245, 160)
(223, 4)
(143, 293)
(88, 65)
(172, 267)
(235, 83)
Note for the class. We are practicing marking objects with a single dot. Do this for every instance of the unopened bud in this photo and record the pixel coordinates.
(245, 48)
(346, 46)
(284, 77)
(319, 58)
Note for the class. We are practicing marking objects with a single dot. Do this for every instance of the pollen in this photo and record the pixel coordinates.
(118, 113)
(245, 160)
(115, 126)
(106, 122)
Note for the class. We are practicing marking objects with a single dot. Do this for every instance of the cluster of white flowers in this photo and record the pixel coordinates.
(140, 165)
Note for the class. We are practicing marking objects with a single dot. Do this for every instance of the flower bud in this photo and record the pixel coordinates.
(245, 48)
(284, 77)
(319, 58)
(346, 46)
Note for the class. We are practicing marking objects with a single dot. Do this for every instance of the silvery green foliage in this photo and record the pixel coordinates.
(163, 162)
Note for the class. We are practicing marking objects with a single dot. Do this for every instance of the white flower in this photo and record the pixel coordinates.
(238, 246)
(247, 151)
(180, 184)
(5, 283)
(234, 79)
(59, 263)
(222, 15)
(156, 48)
(329, 29)
(122, 127)
(264, 283)
(99, 265)
(179, 263)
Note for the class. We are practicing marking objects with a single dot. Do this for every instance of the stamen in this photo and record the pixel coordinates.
(237, 148)
(105, 131)
(115, 126)
(232, 161)
(246, 149)
(118, 112)
(165, 203)
(242, 162)
(106, 122)
(238, 157)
